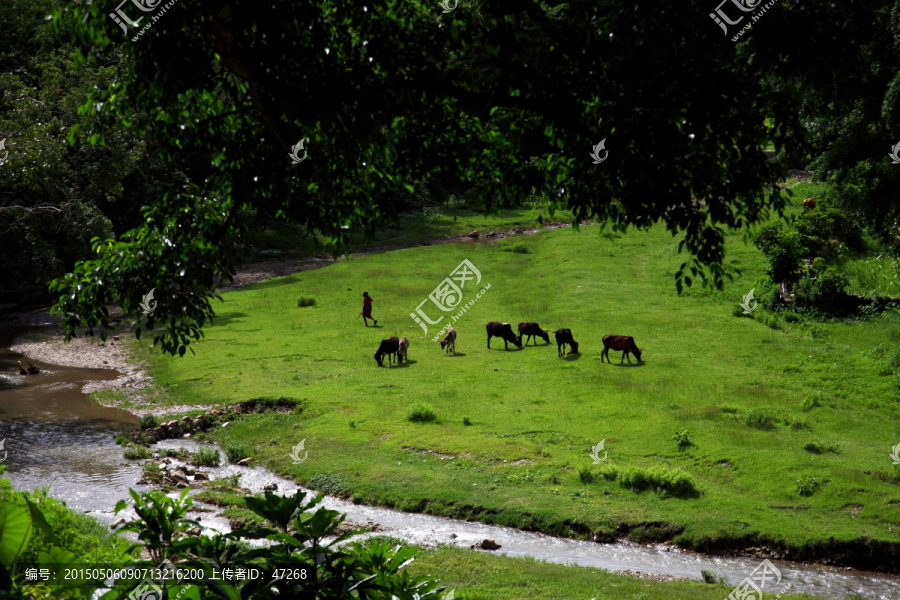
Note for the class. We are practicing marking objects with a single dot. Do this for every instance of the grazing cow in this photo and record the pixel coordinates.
(402, 349)
(449, 342)
(563, 337)
(809, 204)
(503, 330)
(623, 343)
(388, 347)
(532, 330)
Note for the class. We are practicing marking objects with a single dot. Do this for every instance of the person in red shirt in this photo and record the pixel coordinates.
(367, 310)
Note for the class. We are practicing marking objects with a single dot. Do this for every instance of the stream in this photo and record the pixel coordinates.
(55, 437)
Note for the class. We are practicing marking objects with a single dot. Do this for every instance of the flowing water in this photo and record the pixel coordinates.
(56, 438)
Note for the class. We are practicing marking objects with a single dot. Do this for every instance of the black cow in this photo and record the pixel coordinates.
(623, 343)
(390, 347)
(563, 337)
(503, 330)
(532, 330)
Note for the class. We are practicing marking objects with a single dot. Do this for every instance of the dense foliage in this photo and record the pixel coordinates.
(180, 129)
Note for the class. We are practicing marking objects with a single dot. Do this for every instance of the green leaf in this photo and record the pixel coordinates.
(15, 532)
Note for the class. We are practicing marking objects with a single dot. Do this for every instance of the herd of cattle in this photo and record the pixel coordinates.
(397, 348)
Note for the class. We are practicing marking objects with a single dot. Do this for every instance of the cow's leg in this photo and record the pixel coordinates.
(489, 341)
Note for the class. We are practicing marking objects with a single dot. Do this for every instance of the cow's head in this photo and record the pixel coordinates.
(574, 347)
(546, 336)
(517, 341)
(379, 358)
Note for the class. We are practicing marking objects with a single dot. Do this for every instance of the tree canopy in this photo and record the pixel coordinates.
(511, 96)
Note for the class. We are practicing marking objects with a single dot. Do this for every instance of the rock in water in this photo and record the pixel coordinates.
(474, 235)
(490, 545)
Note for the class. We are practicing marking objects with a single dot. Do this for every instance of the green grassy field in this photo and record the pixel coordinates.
(769, 412)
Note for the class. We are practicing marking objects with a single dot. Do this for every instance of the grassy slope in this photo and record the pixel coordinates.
(528, 404)
(479, 576)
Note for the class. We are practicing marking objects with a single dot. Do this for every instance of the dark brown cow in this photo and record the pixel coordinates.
(563, 337)
(531, 331)
(449, 342)
(622, 343)
(502, 330)
(809, 204)
(388, 347)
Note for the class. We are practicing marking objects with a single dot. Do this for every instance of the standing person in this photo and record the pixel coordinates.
(367, 310)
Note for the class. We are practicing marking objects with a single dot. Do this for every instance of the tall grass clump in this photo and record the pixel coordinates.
(682, 439)
(710, 577)
(306, 301)
(759, 419)
(148, 421)
(518, 248)
(235, 452)
(206, 457)
(660, 479)
(420, 413)
(136, 452)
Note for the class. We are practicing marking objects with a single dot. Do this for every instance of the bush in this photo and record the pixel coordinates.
(682, 439)
(784, 249)
(136, 452)
(759, 419)
(466, 421)
(809, 403)
(585, 475)
(823, 293)
(148, 421)
(710, 577)
(420, 413)
(791, 317)
(728, 408)
(306, 301)
(807, 486)
(675, 482)
(206, 457)
(518, 248)
(235, 452)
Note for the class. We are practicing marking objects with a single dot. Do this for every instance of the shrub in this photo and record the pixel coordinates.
(710, 577)
(466, 421)
(784, 249)
(797, 424)
(791, 317)
(206, 457)
(675, 482)
(759, 419)
(824, 292)
(136, 452)
(609, 473)
(148, 421)
(682, 439)
(585, 475)
(306, 301)
(809, 403)
(420, 413)
(728, 408)
(518, 248)
(807, 486)
(235, 452)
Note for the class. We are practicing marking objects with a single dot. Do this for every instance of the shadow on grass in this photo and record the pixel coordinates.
(226, 318)
(457, 354)
(575, 356)
(406, 363)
